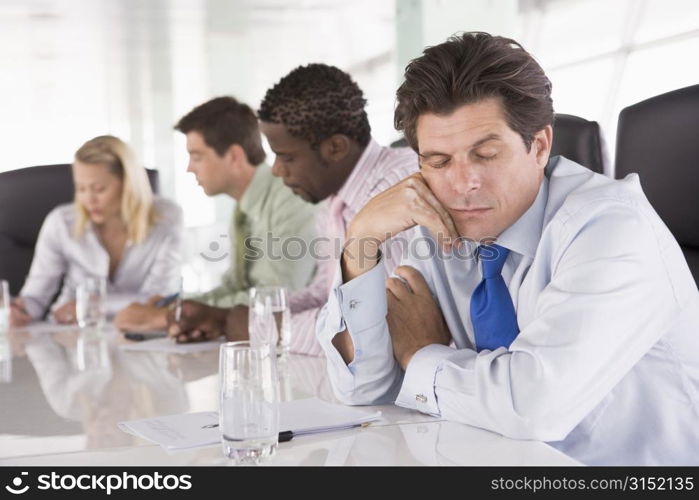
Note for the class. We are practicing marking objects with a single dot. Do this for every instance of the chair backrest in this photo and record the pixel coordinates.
(27, 196)
(579, 140)
(659, 139)
(400, 143)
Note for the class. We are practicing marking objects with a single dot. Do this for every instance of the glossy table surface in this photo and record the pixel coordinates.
(61, 396)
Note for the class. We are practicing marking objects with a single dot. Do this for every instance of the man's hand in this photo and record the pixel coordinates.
(237, 324)
(18, 313)
(414, 318)
(198, 322)
(405, 205)
(65, 314)
(142, 317)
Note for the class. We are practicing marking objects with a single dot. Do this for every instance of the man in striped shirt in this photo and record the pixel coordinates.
(315, 122)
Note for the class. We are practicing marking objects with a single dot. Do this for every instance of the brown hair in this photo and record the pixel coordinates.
(468, 68)
(224, 121)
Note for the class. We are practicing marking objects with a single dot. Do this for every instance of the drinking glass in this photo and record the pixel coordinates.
(249, 402)
(4, 308)
(274, 297)
(90, 296)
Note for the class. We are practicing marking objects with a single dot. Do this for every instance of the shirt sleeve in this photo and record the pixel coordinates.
(373, 376)
(608, 302)
(48, 266)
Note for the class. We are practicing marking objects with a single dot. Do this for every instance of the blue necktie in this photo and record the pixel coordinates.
(492, 312)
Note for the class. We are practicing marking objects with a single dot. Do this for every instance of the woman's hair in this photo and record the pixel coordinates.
(136, 197)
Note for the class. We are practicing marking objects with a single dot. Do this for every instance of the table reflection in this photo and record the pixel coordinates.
(86, 379)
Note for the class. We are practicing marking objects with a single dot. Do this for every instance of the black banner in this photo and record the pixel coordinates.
(434, 482)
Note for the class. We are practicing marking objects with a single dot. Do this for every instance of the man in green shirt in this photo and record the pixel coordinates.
(226, 156)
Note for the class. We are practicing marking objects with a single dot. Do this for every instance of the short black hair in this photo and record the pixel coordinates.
(223, 121)
(315, 102)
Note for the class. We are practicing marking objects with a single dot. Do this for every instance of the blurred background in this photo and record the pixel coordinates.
(74, 69)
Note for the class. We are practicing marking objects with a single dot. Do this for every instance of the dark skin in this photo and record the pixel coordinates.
(314, 175)
(199, 323)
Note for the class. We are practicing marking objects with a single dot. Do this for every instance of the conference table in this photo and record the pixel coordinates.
(62, 394)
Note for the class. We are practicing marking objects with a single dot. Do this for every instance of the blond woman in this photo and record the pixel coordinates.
(115, 229)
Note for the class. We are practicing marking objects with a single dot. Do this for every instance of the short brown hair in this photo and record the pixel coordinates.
(468, 68)
(224, 121)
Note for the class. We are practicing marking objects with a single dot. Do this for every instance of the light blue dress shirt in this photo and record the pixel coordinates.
(606, 364)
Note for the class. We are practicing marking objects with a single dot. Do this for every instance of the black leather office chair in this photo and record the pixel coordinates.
(575, 138)
(27, 196)
(659, 139)
(400, 143)
(579, 140)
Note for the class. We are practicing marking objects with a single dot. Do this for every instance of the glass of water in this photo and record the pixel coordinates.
(90, 297)
(4, 308)
(249, 403)
(262, 298)
(5, 351)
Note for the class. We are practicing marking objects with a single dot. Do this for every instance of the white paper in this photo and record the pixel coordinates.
(177, 432)
(47, 327)
(308, 416)
(194, 430)
(169, 345)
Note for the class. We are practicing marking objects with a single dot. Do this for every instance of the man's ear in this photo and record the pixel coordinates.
(543, 140)
(235, 155)
(335, 148)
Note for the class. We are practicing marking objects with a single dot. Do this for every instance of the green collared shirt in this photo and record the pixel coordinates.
(278, 227)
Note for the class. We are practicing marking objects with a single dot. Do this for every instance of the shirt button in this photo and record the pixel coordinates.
(353, 304)
(420, 398)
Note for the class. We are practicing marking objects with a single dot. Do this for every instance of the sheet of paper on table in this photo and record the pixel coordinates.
(195, 430)
(169, 345)
(47, 327)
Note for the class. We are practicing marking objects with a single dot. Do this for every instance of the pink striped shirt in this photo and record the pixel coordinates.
(377, 169)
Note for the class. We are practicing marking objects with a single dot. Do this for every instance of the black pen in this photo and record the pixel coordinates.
(145, 335)
(285, 436)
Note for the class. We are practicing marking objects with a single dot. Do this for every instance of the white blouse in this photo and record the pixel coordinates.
(148, 268)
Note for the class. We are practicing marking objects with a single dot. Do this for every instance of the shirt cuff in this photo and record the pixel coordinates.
(418, 392)
(34, 308)
(357, 304)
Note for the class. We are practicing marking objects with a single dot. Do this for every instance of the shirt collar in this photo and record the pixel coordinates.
(254, 194)
(351, 186)
(523, 236)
